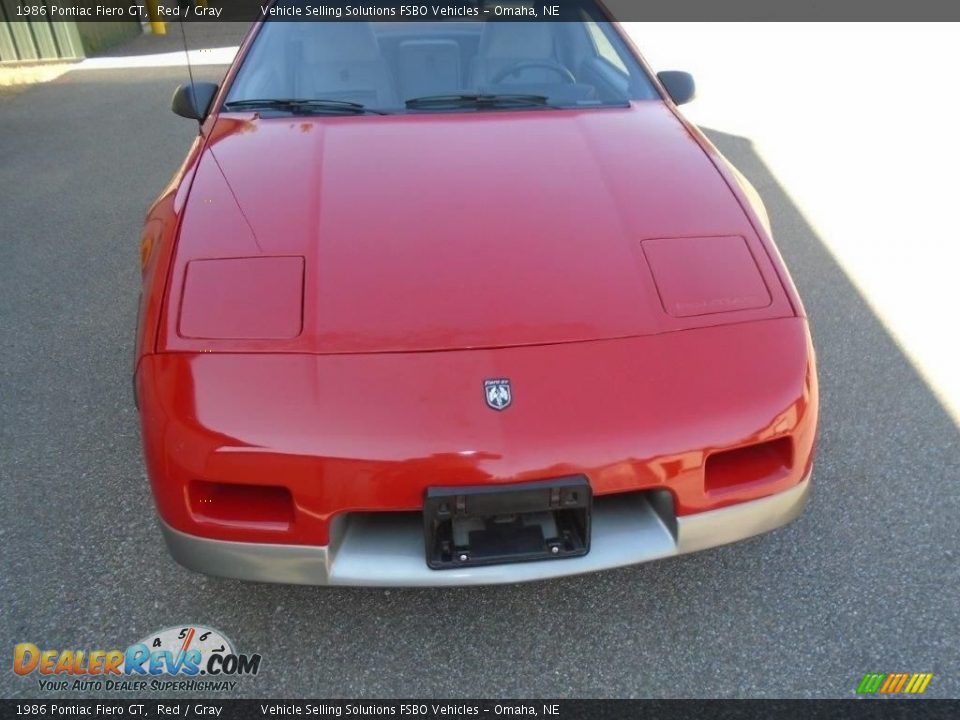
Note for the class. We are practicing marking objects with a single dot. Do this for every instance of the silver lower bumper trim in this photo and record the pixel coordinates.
(386, 549)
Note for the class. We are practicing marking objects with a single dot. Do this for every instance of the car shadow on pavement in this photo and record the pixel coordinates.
(861, 582)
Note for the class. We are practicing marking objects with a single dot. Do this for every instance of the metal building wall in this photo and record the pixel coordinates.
(42, 39)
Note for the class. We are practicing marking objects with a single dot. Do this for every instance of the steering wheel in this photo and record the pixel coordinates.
(514, 68)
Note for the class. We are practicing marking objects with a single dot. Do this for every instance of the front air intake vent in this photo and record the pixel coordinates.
(764, 462)
(260, 507)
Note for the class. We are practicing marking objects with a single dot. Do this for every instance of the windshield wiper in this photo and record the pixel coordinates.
(303, 106)
(477, 100)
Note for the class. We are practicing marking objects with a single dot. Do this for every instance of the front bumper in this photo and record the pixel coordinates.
(386, 549)
(296, 443)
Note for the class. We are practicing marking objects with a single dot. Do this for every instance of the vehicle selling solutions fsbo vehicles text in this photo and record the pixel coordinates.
(399, 11)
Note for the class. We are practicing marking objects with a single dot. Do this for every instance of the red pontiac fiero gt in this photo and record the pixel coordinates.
(461, 303)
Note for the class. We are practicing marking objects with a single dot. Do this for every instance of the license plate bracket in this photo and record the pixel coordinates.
(494, 524)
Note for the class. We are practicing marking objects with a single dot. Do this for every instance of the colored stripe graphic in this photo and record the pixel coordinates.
(888, 683)
(894, 683)
(915, 681)
(870, 683)
(900, 683)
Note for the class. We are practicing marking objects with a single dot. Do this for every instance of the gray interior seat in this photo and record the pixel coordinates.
(341, 61)
(428, 67)
(504, 43)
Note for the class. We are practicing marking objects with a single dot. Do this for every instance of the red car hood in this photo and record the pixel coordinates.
(439, 231)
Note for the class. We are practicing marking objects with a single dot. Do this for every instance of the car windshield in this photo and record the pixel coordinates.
(356, 67)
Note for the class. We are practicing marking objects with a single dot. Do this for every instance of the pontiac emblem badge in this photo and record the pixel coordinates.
(497, 393)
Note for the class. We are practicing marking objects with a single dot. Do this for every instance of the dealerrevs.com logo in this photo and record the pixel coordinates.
(190, 658)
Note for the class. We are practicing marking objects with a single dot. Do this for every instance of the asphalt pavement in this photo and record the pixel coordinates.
(865, 581)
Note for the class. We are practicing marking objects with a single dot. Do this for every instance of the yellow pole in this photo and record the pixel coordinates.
(157, 26)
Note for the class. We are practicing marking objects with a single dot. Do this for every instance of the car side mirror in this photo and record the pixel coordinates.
(193, 101)
(679, 85)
